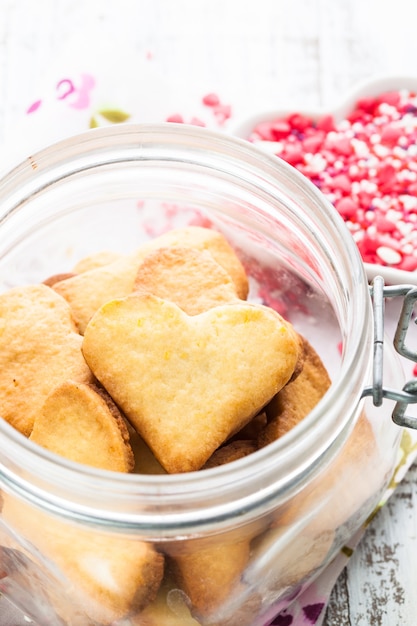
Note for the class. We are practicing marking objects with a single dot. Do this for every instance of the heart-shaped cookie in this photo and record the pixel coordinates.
(82, 423)
(187, 383)
(190, 278)
(39, 349)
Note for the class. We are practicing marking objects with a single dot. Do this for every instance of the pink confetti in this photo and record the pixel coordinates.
(366, 165)
(176, 118)
(211, 99)
(34, 106)
(196, 121)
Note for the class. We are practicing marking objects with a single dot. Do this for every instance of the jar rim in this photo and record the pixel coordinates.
(258, 468)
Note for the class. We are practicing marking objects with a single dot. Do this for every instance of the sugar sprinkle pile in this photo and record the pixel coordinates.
(365, 164)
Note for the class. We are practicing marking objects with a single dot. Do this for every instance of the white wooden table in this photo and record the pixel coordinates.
(257, 55)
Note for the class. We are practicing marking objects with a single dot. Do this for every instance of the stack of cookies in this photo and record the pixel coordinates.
(151, 362)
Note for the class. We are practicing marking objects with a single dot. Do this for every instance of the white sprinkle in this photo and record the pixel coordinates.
(318, 163)
(372, 161)
(394, 216)
(405, 228)
(396, 163)
(409, 202)
(380, 150)
(344, 125)
(399, 152)
(358, 235)
(379, 203)
(388, 255)
(411, 123)
(406, 175)
(368, 186)
(360, 148)
(357, 127)
(387, 109)
(412, 165)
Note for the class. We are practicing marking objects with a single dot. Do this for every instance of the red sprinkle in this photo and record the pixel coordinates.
(195, 121)
(408, 263)
(279, 130)
(299, 122)
(390, 97)
(367, 166)
(222, 112)
(312, 143)
(176, 117)
(326, 123)
(384, 225)
(342, 183)
(391, 134)
(293, 154)
(211, 100)
(347, 208)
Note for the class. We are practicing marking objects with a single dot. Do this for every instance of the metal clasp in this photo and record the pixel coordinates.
(408, 395)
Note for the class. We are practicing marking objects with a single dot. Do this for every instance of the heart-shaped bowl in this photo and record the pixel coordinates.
(339, 112)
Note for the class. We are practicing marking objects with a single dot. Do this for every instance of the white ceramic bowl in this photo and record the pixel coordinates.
(242, 128)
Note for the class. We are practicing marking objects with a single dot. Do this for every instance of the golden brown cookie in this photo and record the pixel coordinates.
(88, 291)
(96, 259)
(233, 451)
(106, 575)
(145, 460)
(82, 423)
(297, 398)
(252, 429)
(39, 349)
(206, 239)
(187, 383)
(56, 278)
(209, 575)
(192, 279)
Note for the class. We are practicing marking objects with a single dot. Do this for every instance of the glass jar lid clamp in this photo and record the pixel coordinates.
(408, 395)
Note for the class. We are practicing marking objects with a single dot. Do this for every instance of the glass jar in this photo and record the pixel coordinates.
(237, 543)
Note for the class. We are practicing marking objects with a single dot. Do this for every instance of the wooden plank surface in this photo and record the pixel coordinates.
(256, 55)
